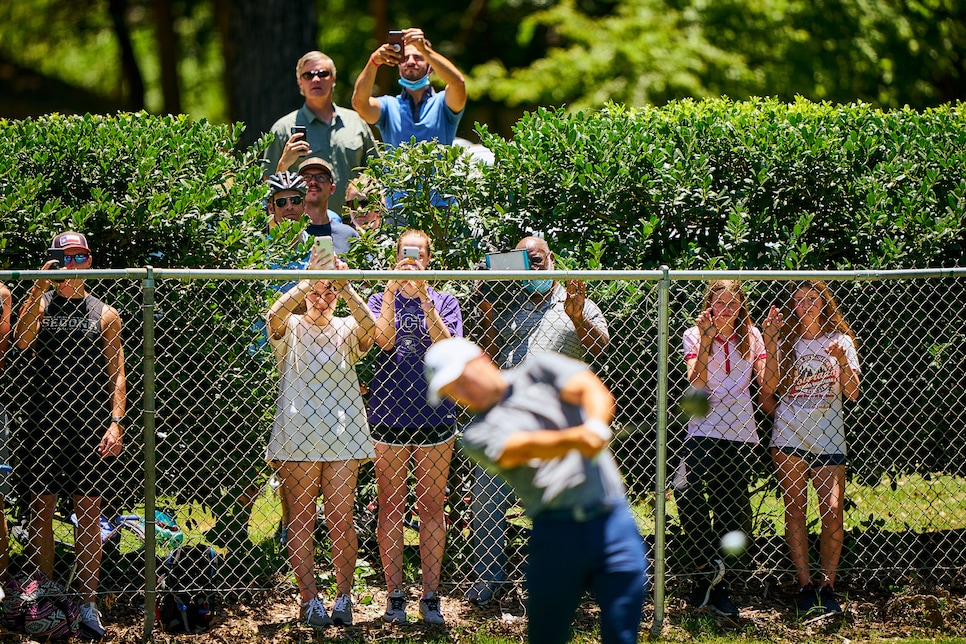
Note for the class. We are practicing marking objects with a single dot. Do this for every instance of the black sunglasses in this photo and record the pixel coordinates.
(316, 73)
(360, 203)
(281, 202)
(79, 258)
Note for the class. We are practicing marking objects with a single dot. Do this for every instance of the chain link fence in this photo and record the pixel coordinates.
(200, 363)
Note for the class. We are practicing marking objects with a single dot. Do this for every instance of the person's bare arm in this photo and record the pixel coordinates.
(366, 331)
(584, 390)
(5, 303)
(593, 338)
(112, 441)
(285, 306)
(386, 322)
(447, 71)
(848, 376)
(32, 312)
(363, 101)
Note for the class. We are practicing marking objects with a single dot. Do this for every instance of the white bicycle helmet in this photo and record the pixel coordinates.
(286, 181)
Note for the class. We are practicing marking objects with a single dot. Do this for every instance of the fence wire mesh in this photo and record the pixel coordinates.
(227, 435)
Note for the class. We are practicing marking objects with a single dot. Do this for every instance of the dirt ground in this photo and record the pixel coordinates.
(272, 618)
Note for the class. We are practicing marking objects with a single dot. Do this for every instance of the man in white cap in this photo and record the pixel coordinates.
(544, 428)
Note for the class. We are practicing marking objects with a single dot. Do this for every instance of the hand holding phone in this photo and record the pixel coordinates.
(56, 254)
(299, 129)
(396, 41)
(324, 253)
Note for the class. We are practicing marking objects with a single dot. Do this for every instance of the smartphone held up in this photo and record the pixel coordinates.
(323, 249)
(396, 41)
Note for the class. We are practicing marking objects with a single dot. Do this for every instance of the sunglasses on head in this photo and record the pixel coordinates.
(359, 203)
(281, 202)
(78, 258)
(316, 73)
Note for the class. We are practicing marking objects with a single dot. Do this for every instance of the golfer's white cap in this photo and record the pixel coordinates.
(445, 362)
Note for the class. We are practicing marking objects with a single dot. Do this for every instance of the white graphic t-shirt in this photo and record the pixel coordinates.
(809, 416)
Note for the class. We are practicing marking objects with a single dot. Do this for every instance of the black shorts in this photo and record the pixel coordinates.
(412, 436)
(62, 458)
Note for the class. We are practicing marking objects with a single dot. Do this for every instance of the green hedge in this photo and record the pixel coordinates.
(757, 184)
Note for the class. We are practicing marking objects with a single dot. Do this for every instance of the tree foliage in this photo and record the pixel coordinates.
(521, 54)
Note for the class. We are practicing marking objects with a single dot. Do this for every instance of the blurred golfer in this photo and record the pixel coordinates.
(544, 427)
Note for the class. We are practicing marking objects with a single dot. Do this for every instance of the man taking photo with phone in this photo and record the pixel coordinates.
(418, 110)
(333, 133)
(74, 412)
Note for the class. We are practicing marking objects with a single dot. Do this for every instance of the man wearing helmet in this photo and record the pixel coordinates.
(286, 199)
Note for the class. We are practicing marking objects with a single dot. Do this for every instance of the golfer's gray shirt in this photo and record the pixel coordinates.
(533, 403)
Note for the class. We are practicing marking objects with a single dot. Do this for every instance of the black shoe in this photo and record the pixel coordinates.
(720, 603)
(706, 580)
(808, 604)
(826, 596)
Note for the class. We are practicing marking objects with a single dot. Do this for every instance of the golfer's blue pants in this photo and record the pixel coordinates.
(603, 555)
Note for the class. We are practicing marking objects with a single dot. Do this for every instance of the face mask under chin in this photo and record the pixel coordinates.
(414, 86)
(538, 286)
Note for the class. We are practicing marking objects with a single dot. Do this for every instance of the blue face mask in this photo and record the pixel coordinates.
(538, 286)
(415, 85)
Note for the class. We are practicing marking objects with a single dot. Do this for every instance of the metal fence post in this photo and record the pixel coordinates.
(150, 574)
(660, 470)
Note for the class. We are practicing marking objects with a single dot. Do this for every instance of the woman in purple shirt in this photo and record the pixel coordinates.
(411, 316)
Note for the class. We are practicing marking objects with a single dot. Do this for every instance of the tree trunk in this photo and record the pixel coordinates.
(169, 55)
(263, 40)
(130, 72)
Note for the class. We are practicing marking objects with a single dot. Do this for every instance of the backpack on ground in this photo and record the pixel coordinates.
(40, 608)
(187, 575)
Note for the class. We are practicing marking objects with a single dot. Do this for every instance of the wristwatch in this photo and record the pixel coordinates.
(117, 419)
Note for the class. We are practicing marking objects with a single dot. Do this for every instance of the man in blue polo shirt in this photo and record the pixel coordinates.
(418, 110)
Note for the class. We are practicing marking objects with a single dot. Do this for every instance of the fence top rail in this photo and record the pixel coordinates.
(92, 274)
(587, 275)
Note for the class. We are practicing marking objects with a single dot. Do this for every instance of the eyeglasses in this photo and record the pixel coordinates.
(316, 73)
(360, 203)
(281, 202)
(319, 178)
(79, 258)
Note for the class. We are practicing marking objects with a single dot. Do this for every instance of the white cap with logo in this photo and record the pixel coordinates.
(445, 362)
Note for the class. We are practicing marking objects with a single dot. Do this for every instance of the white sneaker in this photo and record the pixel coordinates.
(313, 612)
(429, 609)
(342, 610)
(90, 621)
(395, 608)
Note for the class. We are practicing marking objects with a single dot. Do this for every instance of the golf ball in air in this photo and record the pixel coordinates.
(734, 543)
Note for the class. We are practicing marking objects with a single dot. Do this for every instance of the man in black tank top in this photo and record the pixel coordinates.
(74, 413)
